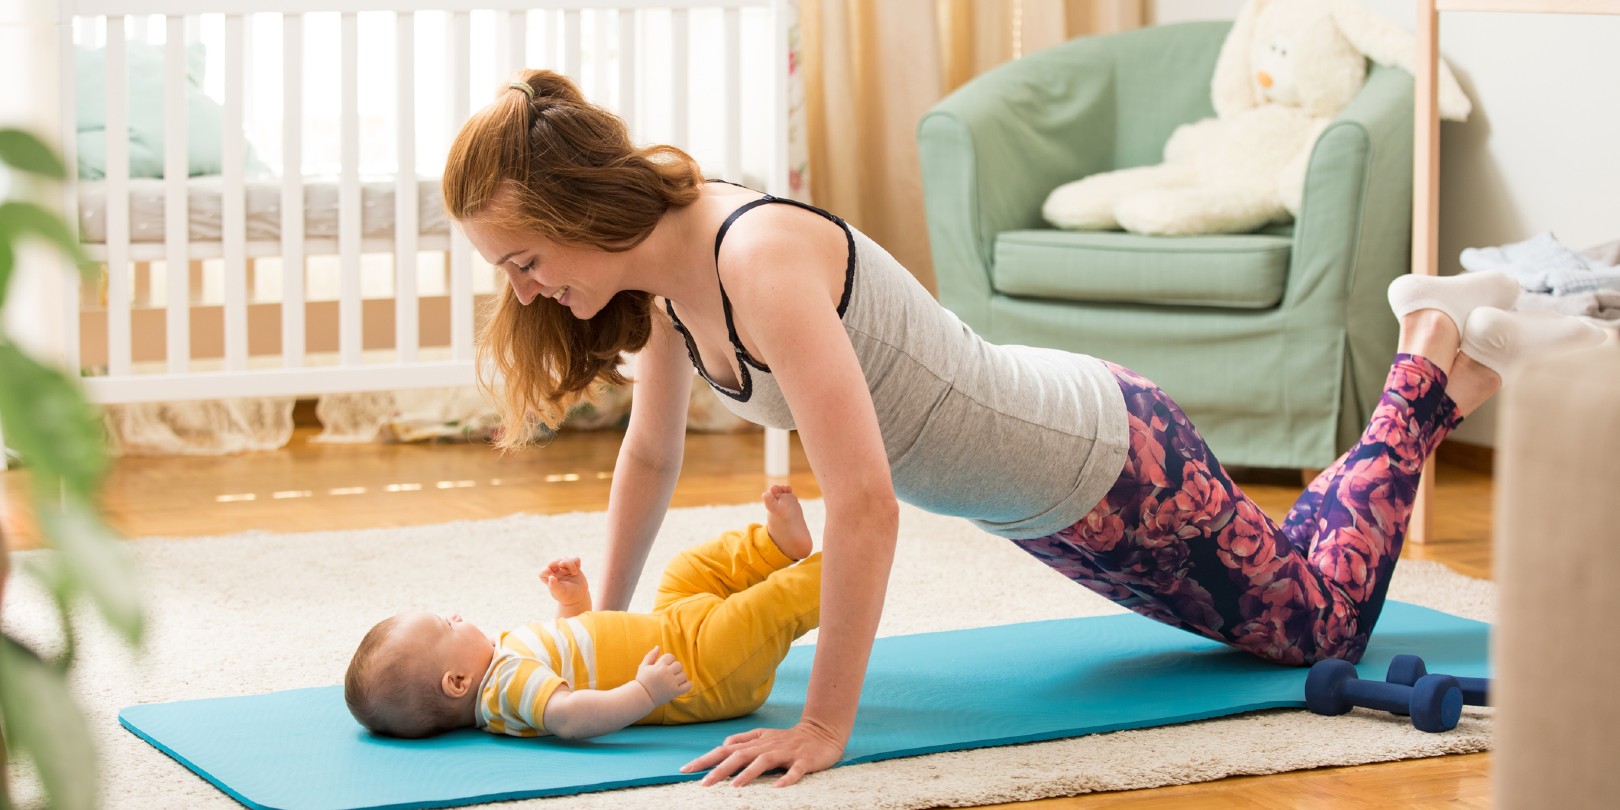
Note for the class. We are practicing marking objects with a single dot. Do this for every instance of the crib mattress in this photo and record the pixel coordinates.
(205, 209)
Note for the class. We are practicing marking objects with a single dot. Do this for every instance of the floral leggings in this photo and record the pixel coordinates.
(1175, 540)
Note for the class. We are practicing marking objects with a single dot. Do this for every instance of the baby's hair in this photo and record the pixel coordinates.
(393, 696)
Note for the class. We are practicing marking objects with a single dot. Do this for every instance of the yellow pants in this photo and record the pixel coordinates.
(728, 609)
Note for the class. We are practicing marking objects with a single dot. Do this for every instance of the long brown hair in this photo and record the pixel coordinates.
(557, 165)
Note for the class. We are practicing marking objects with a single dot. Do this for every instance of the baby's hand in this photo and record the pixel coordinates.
(566, 582)
(663, 677)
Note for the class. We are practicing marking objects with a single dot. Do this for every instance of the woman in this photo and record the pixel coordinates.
(800, 321)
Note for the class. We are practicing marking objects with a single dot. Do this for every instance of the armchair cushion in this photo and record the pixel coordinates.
(1238, 272)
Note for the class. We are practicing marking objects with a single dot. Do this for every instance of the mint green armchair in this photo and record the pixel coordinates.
(1276, 343)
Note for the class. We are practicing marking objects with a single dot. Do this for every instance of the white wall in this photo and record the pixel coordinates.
(1538, 153)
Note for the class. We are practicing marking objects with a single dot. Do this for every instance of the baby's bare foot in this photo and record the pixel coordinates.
(785, 522)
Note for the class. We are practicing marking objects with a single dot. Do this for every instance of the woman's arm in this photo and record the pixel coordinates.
(792, 318)
(649, 462)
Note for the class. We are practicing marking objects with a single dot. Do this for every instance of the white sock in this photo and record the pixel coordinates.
(1454, 295)
(1499, 340)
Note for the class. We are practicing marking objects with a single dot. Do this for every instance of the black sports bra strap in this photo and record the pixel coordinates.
(744, 358)
(725, 300)
(720, 235)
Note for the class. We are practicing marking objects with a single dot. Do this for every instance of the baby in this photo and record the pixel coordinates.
(725, 614)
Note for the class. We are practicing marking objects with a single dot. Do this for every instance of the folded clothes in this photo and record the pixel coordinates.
(1603, 305)
(1542, 264)
(1606, 254)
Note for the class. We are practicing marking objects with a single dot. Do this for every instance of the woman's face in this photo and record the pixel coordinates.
(577, 277)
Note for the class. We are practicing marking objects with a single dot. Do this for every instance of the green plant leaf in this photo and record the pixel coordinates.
(8, 260)
(99, 564)
(19, 219)
(42, 723)
(22, 150)
(53, 575)
(50, 423)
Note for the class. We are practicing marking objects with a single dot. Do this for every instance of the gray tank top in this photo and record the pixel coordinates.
(1022, 441)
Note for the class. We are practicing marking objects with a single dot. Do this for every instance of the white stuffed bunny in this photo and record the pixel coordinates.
(1285, 70)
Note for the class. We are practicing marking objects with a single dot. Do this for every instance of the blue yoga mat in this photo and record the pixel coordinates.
(924, 693)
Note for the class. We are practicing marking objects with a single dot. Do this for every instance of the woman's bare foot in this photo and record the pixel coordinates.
(1470, 383)
(785, 522)
(1430, 334)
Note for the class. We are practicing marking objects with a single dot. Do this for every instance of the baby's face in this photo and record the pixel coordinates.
(451, 644)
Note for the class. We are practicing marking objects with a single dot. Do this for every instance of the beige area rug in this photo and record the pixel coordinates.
(257, 612)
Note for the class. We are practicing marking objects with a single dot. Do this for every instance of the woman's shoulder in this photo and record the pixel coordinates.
(783, 271)
(772, 243)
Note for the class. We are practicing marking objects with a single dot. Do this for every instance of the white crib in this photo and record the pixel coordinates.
(639, 57)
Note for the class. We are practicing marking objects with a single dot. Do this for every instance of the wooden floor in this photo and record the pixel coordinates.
(314, 486)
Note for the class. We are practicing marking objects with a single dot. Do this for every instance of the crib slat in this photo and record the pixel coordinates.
(776, 440)
(405, 308)
(628, 23)
(176, 213)
(118, 265)
(248, 61)
(292, 191)
(513, 55)
(680, 78)
(571, 44)
(233, 199)
(776, 453)
(68, 76)
(548, 55)
(733, 149)
(349, 226)
(601, 53)
(88, 34)
(461, 296)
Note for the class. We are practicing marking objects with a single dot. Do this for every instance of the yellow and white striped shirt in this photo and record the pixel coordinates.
(530, 663)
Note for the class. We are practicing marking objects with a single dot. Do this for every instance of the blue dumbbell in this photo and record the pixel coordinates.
(1409, 669)
(1435, 701)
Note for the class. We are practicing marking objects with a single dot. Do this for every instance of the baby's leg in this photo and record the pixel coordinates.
(742, 641)
(728, 564)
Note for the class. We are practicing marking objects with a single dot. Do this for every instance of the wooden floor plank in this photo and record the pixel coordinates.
(311, 486)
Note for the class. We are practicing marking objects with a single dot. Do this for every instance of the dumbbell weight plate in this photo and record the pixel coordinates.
(1405, 670)
(1324, 693)
(1437, 702)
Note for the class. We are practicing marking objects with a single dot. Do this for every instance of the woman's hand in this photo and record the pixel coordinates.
(804, 748)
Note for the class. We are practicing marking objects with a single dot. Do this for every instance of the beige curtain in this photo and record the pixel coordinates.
(871, 68)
